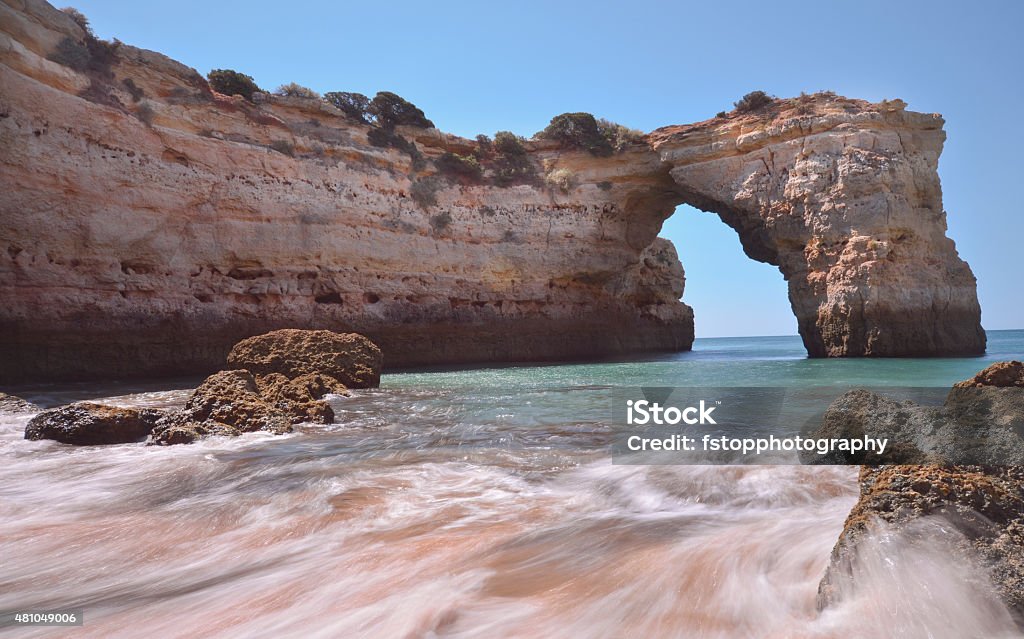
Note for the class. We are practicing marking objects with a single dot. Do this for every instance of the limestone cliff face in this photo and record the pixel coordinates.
(844, 197)
(146, 233)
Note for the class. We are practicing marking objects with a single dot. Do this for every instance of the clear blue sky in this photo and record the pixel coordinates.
(479, 67)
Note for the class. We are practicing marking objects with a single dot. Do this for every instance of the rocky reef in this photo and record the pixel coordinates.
(290, 376)
(979, 508)
(151, 223)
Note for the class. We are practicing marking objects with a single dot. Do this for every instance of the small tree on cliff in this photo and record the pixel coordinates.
(231, 82)
(753, 101)
(577, 130)
(354, 105)
(390, 110)
(511, 161)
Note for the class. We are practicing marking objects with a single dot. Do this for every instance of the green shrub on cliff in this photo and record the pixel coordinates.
(618, 135)
(484, 147)
(293, 90)
(283, 147)
(511, 161)
(753, 101)
(600, 137)
(577, 130)
(461, 166)
(231, 82)
(72, 54)
(424, 192)
(390, 110)
(562, 179)
(354, 105)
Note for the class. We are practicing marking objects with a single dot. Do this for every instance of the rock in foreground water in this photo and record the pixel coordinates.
(86, 424)
(980, 507)
(349, 358)
(235, 402)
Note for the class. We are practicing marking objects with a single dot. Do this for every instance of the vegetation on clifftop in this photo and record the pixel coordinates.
(753, 101)
(231, 82)
(293, 90)
(583, 131)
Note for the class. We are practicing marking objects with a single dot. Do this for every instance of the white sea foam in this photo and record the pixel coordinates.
(392, 525)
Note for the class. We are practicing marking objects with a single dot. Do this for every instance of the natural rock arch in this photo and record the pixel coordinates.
(845, 200)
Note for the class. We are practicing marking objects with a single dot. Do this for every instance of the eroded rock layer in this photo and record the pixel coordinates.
(149, 224)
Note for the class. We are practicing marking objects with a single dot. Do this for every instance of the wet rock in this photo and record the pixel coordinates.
(226, 403)
(235, 402)
(87, 424)
(861, 412)
(300, 397)
(349, 358)
(13, 405)
(981, 506)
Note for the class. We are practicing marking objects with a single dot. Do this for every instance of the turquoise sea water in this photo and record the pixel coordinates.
(731, 361)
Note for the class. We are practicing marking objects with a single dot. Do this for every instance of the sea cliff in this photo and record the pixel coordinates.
(149, 223)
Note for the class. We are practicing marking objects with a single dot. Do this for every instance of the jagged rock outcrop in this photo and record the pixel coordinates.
(980, 508)
(349, 358)
(286, 375)
(151, 224)
(89, 424)
(226, 403)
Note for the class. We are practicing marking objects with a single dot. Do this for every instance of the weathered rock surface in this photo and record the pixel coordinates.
(348, 358)
(235, 402)
(12, 404)
(299, 397)
(981, 506)
(87, 424)
(1000, 375)
(978, 424)
(148, 241)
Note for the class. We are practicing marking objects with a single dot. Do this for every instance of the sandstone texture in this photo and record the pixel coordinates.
(87, 424)
(1000, 375)
(12, 405)
(226, 403)
(281, 386)
(150, 225)
(348, 358)
(980, 507)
